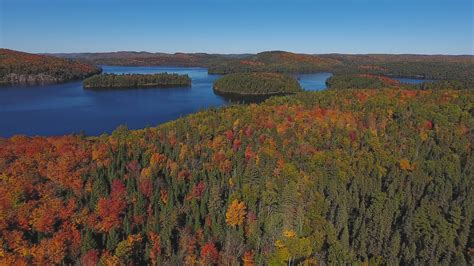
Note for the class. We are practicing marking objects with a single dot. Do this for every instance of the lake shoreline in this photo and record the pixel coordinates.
(68, 108)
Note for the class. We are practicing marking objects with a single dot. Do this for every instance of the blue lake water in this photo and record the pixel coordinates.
(67, 108)
(313, 82)
(412, 81)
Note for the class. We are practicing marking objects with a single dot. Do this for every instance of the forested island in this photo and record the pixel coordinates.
(256, 84)
(342, 176)
(18, 68)
(117, 81)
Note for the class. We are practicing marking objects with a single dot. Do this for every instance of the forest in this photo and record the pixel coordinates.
(20, 68)
(275, 61)
(436, 67)
(343, 176)
(159, 80)
(369, 81)
(362, 81)
(147, 59)
(446, 84)
(415, 66)
(256, 84)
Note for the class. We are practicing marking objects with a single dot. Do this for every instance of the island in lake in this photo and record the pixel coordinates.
(114, 81)
(19, 68)
(256, 84)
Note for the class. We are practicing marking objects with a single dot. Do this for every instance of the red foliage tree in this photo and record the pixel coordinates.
(209, 253)
(110, 210)
(91, 258)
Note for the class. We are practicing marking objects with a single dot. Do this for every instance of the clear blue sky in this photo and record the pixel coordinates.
(232, 26)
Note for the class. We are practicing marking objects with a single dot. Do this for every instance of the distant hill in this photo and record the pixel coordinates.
(128, 58)
(30, 69)
(277, 61)
(441, 67)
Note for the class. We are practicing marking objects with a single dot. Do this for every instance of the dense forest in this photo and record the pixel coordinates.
(361, 81)
(415, 66)
(439, 67)
(338, 177)
(30, 69)
(369, 81)
(446, 84)
(150, 59)
(159, 80)
(275, 61)
(256, 84)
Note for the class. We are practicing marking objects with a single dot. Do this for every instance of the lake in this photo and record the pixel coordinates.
(67, 108)
(412, 80)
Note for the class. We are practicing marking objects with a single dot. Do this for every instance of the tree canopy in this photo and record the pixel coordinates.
(348, 176)
(361, 81)
(256, 84)
(369, 81)
(113, 81)
(24, 68)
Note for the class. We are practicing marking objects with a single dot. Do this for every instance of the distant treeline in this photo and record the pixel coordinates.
(446, 84)
(424, 67)
(162, 80)
(147, 59)
(367, 81)
(276, 61)
(415, 66)
(256, 84)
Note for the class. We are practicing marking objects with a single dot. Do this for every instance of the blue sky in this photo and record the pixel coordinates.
(231, 26)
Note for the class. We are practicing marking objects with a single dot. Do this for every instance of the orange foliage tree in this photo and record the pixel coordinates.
(235, 214)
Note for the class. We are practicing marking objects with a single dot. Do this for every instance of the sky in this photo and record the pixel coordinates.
(233, 26)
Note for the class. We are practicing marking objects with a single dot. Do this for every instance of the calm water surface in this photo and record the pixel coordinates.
(68, 108)
(314, 82)
(412, 81)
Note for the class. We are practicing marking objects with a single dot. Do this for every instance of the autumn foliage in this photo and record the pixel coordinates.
(335, 177)
(24, 68)
(256, 84)
(115, 81)
(235, 214)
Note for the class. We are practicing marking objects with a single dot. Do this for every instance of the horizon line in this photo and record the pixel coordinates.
(243, 53)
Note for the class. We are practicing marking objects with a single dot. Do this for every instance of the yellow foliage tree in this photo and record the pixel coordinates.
(236, 213)
(289, 233)
(405, 165)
